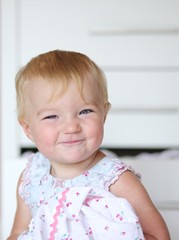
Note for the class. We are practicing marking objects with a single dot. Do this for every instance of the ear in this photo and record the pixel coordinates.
(107, 107)
(24, 124)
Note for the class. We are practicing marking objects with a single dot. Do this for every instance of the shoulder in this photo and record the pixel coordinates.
(128, 186)
(128, 183)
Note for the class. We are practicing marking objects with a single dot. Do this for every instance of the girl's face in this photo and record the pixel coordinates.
(68, 129)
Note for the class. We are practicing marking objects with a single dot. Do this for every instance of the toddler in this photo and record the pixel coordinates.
(70, 189)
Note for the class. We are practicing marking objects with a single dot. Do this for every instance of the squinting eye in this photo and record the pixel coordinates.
(86, 111)
(51, 117)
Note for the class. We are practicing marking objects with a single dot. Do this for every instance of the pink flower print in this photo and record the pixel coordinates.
(77, 194)
(123, 233)
(89, 232)
(106, 206)
(41, 201)
(87, 200)
(73, 215)
(119, 217)
(68, 204)
(106, 228)
(86, 174)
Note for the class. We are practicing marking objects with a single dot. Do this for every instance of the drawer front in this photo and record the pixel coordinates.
(148, 130)
(150, 90)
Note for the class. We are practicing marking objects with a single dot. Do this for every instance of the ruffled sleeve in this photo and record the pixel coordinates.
(106, 172)
(35, 173)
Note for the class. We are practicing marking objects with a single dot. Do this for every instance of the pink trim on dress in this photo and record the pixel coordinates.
(55, 216)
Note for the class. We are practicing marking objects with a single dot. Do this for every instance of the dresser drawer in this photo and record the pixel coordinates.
(144, 90)
(142, 129)
(143, 50)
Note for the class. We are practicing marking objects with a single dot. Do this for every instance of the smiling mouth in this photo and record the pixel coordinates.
(70, 143)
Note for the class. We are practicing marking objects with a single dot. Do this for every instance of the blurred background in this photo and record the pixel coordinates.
(136, 43)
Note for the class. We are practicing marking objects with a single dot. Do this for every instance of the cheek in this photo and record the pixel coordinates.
(43, 135)
(96, 130)
(100, 133)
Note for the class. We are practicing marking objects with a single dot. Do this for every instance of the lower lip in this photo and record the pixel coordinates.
(71, 143)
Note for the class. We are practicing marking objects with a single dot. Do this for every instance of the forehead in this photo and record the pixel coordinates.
(87, 88)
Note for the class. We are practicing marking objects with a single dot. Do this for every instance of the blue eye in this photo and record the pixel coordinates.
(51, 117)
(86, 111)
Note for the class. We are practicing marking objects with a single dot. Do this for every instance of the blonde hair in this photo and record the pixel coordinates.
(56, 67)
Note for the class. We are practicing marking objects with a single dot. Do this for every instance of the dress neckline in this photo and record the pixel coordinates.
(84, 174)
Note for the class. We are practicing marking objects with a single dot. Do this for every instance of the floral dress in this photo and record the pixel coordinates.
(81, 208)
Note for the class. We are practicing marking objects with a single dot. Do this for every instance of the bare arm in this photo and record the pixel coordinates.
(129, 187)
(22, 217)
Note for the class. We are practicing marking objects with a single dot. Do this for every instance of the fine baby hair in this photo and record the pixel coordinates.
(58, 68)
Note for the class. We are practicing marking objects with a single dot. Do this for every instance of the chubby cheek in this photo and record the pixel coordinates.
(44, 137)
(95, 132)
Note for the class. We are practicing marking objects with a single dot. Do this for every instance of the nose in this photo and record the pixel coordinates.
(71, 125)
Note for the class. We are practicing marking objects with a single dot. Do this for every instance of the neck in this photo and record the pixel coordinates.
(68, 171)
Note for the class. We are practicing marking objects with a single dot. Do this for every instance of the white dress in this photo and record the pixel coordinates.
(79, 212)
